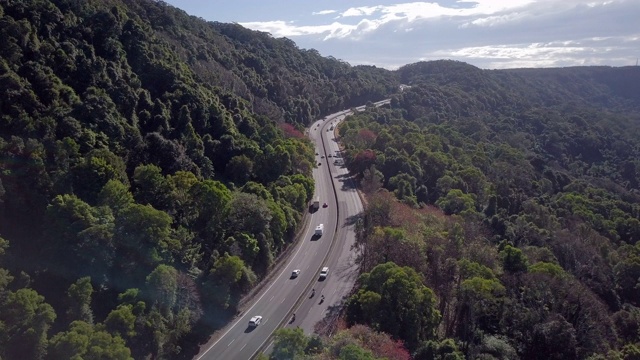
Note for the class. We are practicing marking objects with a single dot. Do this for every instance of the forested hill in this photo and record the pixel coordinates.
(504, 205)
(616, 89)
(152, 166)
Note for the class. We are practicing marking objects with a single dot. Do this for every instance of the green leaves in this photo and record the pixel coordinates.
(79, 295)
(91, 175)
(25, 320)
(394, 300)
(289, 344)
(513, 260)
(84, 341)
(456, 202)
(162, 285)
(227, 279)
(227, 270)
(627, 274)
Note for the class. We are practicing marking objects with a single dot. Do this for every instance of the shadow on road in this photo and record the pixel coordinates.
(353, 219)
(249, 329)
(348, 181)
(329, 324)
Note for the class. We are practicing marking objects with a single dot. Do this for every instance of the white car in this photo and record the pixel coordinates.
(255, 321)
(324, 272)
(295, 273)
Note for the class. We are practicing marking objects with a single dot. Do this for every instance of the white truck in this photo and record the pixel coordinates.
(319, 230)
(316, 204)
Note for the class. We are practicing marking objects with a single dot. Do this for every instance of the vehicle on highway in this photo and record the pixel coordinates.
(324, 205)
(255, 321)
(319, 163)
(322, 157)
(324, 272)
(319, 230)
(295, 273)
(329, 155)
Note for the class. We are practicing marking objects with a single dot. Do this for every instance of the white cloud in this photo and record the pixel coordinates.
(486, 33)
(426, 10)
(588, 51)
(377, 16)
(280, 28)
(323, 12)
(495, 19)
(361, 11)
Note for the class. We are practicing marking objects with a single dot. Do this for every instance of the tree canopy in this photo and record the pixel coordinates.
(513, 195)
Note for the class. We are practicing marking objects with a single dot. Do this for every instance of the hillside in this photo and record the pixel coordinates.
(507, 202)
(153, 166)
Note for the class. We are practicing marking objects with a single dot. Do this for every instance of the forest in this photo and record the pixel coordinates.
(502, 216)
(153, 167)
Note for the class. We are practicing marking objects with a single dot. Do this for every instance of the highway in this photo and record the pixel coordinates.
(286, 295)
(311, 314)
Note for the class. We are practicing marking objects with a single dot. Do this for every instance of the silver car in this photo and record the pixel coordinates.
(255, 321)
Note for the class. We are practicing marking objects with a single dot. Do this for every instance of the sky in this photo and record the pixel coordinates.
(489, 34)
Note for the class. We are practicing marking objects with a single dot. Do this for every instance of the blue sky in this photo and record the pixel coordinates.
(489, 34)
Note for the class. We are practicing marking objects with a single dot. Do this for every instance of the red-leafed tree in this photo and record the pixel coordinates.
(362, 161)
(290, 131)
(381, 344)
(366, 138)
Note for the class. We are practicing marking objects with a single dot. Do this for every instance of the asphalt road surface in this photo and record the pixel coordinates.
(286, 295)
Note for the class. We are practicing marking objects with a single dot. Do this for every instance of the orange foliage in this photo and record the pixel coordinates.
(366, 137)
(379, 343)
(404, 216)
(290, 131)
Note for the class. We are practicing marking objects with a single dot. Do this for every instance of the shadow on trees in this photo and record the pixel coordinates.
(212, 321)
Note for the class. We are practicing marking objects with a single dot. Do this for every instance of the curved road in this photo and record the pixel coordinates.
(286, 295)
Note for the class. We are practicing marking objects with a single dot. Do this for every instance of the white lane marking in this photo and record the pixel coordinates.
(272, 298)
(243, 346)
(300, 246)
(231, 342)
(269, 288)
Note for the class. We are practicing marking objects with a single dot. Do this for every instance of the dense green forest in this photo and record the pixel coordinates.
(153, 166)
(503, 213)
(502, 218)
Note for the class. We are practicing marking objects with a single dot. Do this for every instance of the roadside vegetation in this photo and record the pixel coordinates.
(152, 168)
(512, 199)
(501, 218)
